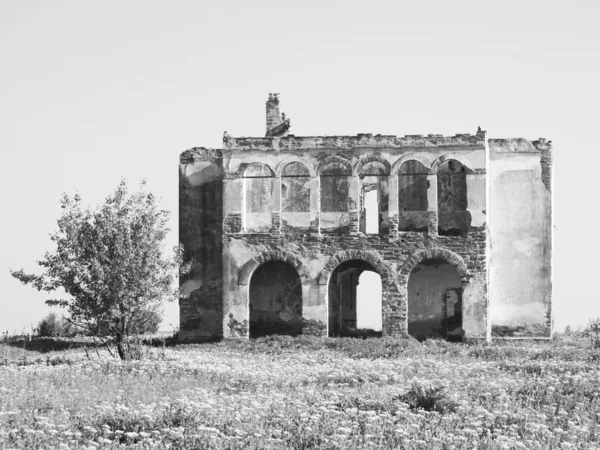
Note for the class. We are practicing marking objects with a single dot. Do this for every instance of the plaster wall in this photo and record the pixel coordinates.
(520, 238)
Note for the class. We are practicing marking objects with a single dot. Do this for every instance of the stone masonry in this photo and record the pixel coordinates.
(280, 229)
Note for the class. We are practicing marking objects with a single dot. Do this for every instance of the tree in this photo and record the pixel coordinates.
(110, 261)
(54, 326)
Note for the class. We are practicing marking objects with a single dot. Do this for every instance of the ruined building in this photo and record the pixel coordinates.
(447, 236)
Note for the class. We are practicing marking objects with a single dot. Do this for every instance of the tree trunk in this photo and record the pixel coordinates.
(120, 348)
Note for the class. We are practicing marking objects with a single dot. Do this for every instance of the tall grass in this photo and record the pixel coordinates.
(299, 393)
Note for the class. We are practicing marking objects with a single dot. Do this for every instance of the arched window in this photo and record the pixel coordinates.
(258, 188)
(374, 198)
(453, 217)
(412, 196)
(334, 195)
(295, 195)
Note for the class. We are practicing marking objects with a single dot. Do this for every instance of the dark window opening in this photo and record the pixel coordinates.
(412, 197)
(453, 217)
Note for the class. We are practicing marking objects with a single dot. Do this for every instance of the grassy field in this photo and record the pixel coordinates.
(297, 393)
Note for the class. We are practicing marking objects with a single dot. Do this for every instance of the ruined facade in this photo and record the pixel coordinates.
(281, 230)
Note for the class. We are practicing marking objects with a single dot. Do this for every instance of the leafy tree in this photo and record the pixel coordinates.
(146, 322)
(54, 326)
(110, 261)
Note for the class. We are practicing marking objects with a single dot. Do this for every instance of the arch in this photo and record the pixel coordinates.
(245, 168)
(275, 300)
(449, 156)
(372, 158)
(348, 255)
(252, 265)
(293, 158)
(417, 157)
(334, 159)
(413, 167)
(431, 253)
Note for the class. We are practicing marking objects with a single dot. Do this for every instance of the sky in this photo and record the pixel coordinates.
(93, 92)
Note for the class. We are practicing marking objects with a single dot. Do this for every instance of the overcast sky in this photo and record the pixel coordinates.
(92, 92)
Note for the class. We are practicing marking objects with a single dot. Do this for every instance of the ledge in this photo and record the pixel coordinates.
(291, 142)
(519, 145)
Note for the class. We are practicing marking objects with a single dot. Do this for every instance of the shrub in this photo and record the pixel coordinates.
(54, 326)
(429, 398)
(592, 331)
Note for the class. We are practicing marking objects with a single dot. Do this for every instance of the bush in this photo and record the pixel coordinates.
(592, 331)
(429, 398)
(54, 326)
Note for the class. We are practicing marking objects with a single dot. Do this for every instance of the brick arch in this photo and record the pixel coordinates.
(348, 255)
(331, 159)
(291, 159)
(451, 156)
(287, 257)
(441, 253)
(372, 158)
(411, 156)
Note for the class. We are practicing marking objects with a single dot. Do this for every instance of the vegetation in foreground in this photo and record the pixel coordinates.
(299, 393)
(110, 262)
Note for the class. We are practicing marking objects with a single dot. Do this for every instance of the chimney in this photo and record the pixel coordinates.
(277, 124)
(273, 114)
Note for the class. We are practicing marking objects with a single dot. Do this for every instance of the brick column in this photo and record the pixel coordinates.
(315, 192)
(432, 205)
(353, 203)
(393, 205)
(276, 206)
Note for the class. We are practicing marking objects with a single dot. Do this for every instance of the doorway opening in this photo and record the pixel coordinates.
(435, 301)
(355, 300)
(275, 300)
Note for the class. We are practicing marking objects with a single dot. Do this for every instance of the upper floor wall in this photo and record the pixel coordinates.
(361, 183)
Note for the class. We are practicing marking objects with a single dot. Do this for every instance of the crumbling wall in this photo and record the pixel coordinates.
(295, 195)
(413, 185)
(334, 197)
(453, 216)
(327, 243)
(520, 238)
(200, 232)
(258, 188)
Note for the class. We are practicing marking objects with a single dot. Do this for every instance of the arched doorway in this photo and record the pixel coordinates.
(435, 300)
(275, 300)
(355, 295)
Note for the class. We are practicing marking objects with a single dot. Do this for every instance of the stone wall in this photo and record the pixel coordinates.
(201, 233)
(299, 204)
(316, 250)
